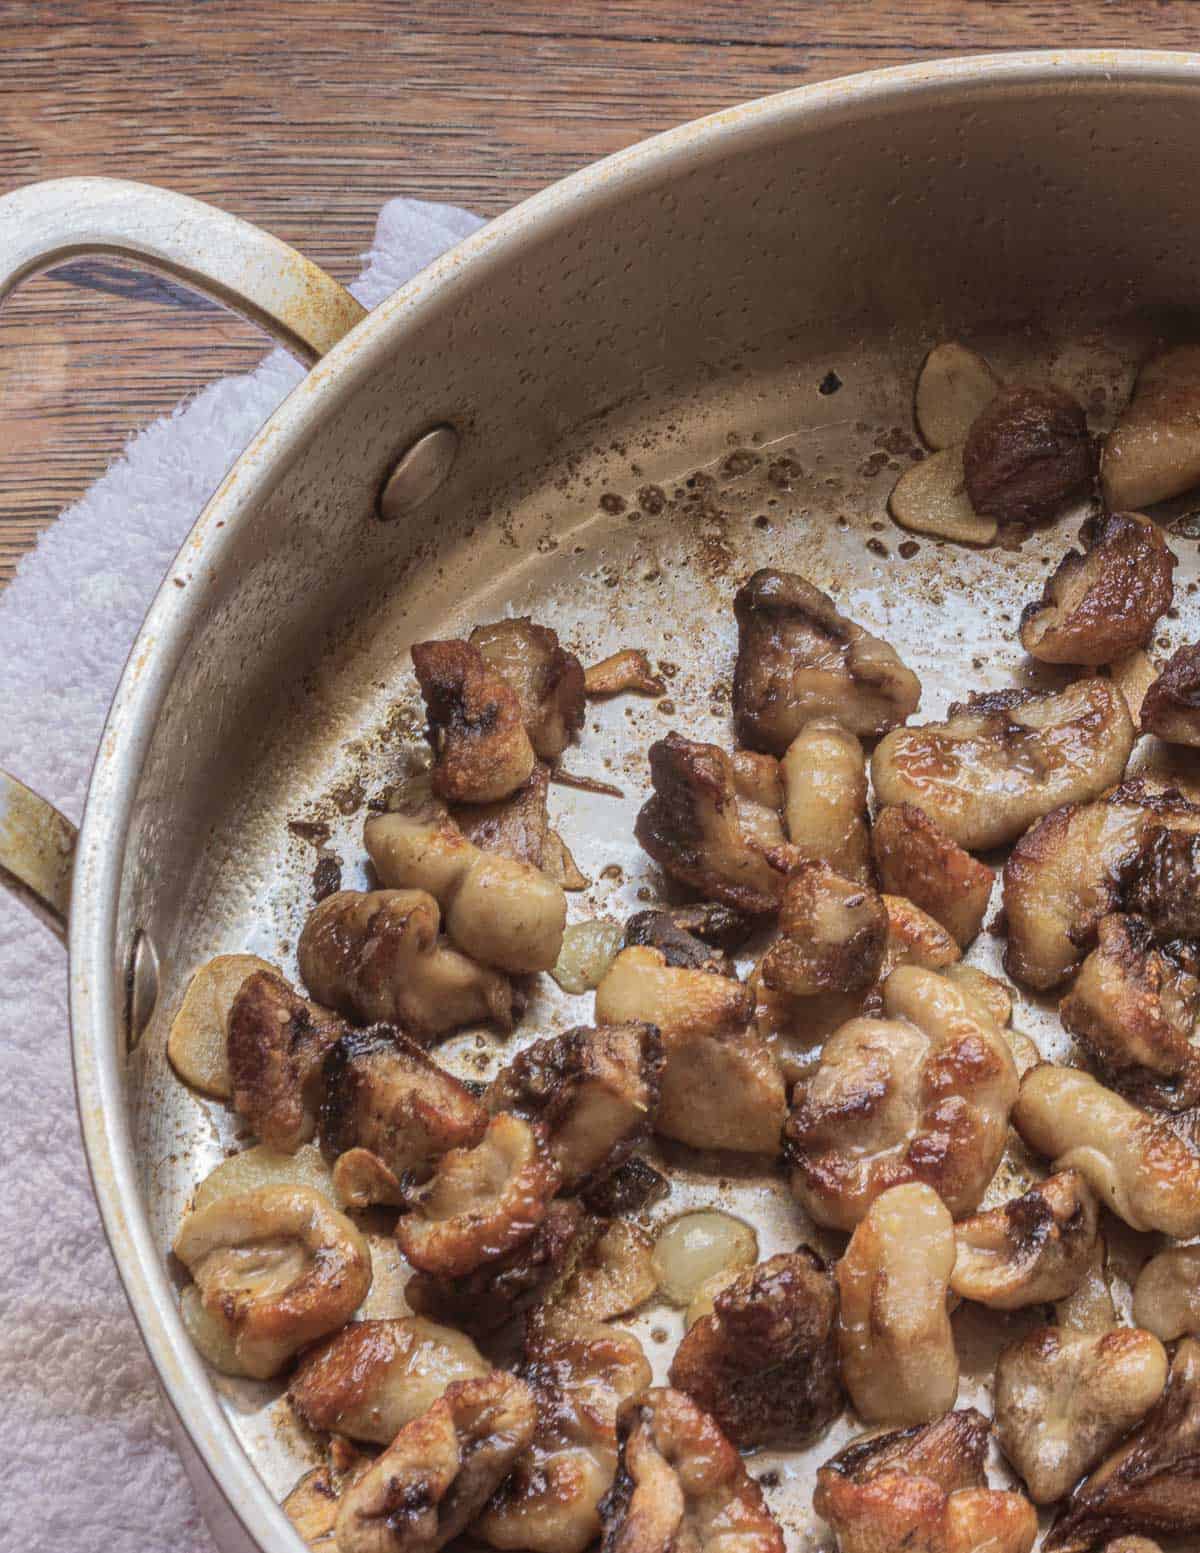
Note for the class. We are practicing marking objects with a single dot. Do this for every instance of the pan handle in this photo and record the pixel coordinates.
(248, 270)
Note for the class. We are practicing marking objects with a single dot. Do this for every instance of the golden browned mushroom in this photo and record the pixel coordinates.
(1166, 1296)
(1064, 1398)
(1134, 1008)
(628, 669)
(799, 659)
(378, 955)
(476, 727)
(503, 1287)
(277, 1045)
(611, 1272)
(994, 994)
(692, 827)
(923, 1489)
(1153, 451)
(833, 935)
(921, 1095)
(899, 1362)
(384, 1094)
(1150, 1482)
(373, 1377)
(550, 1501)
(1003, 759)
(765, 1363)
(916, 859)
(720, 1087)
(312, 1505)
(496, 909)
(440, 1470)
(825, 798)
(1133, 1162)
(481, 1202)
(1103, 602)
(548, 680)
(681, 1487)
(1171, 705)
(594, 1090)
(197, 1046)
(1089, 1307)
(1028, 454)
(276, 1268)
(1066, 873)
(1037, 1248)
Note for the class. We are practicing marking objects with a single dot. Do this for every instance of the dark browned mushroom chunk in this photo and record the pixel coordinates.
(277, 1043)
(799, 659)
(661, 930)
(765, 1364)
(379, 956)
(1035, 1249)
(547, 679)
(632, 1187)
(594, 1090)
(1162, 884)
(490, 1296)
(1151, 1482)
(916, 859)
(516, 826)
(440, 1470)
(833, 934)
(1027, 454)
(1102, 603)
(1134, 1008)
(681, 1487)
(1067, 872)
(923, 1488)
(1171, 706)
(384, 1094)
(693, 829)
(482, 751)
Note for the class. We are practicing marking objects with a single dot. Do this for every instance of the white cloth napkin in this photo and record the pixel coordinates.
(88, 1455)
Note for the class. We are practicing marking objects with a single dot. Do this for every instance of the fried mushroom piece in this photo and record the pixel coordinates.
(384, 1094)
(1089, 1306)
(661, 930)
(548, 680)
(440, 1470)
(923, 1094)
(692, 827)
(1162, 885)
(1065, 1398)
(1134, 1007)
(1004, 759)
(502, 1288)
(373, 1377)
(1068, 872)
(923, 1489)
(681, 1487)
(1036, 1249)
(496, 909)
(764, 1364)
(1153, 452)
(1166, 1296)
(517, 826)
(378, 956)
(277, 1268)
(1103, 602)
(481, 1202)
(1150, 1482)
(833, 935)
(1027, 454)
(277, 1044)
(824, 775)
(550, 1501)
(594, 1090)
(1134, 1163)
(899, 1362)
(799, 659)
(312, 1504)
(628, 669)
(916, 859)
(1171, 706)
(198, 1041)
(482, 751)
(632, 1187)
(720, 1086)
(611, 1272)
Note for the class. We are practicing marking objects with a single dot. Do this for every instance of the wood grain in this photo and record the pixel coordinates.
(306, 117)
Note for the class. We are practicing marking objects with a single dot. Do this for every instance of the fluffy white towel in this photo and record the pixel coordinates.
(88, 1456)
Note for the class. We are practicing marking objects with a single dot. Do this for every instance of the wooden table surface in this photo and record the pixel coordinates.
(306, 117)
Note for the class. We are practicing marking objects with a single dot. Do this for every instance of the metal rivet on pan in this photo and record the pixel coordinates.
(418, 472)
(143, 987)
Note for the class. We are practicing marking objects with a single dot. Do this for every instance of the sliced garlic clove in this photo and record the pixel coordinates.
(931, 498)
(196, 1045)
(954, 385)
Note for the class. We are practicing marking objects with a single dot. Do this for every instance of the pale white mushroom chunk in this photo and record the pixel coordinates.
(1166, 1296)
